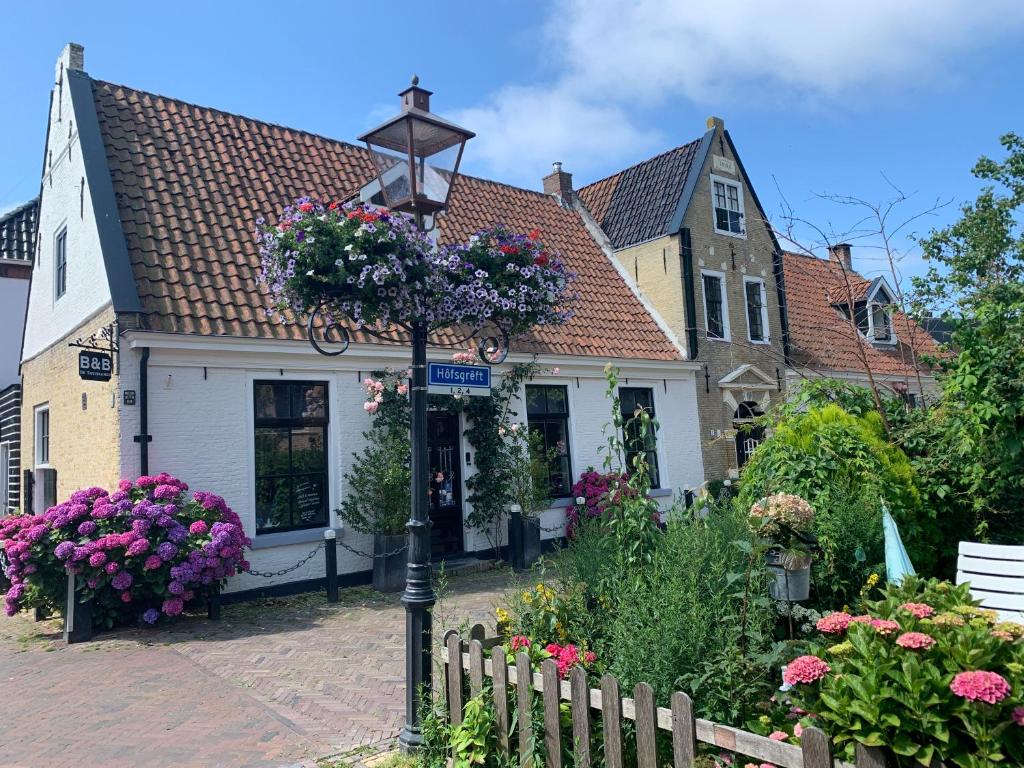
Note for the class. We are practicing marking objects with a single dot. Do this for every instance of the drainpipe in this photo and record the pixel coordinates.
(690, 297)
(144, 438)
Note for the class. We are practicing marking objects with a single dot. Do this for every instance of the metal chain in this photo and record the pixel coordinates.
(284, 571)
(354, 551)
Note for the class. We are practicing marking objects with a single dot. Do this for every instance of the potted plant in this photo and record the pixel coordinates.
(785, 520)
(378, 501)
(529, 492)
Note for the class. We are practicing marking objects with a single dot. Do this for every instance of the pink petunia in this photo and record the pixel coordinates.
(980, 685)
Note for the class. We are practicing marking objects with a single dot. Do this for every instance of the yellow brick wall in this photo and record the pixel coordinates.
(84, 444)
(656, 268)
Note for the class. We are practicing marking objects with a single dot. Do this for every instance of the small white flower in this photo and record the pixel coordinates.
(348, 247)
(310, 273)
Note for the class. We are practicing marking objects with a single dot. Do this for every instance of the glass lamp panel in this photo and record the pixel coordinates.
(393, 174)
(434, 174)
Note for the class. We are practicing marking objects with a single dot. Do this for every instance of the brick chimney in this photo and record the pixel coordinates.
(559, 184)
(840, 253)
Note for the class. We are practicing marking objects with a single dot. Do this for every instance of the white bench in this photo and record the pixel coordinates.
(996, 576)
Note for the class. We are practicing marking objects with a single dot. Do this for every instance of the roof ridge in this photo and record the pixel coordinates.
(228, 114)
(641, 162)
(18, 209)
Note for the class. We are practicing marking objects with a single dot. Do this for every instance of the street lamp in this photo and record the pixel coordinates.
(417, 155)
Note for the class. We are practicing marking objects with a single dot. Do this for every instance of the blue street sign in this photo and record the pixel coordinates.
(451, 379)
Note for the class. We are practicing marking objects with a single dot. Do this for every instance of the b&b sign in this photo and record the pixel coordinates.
(94, 366)
(449, 379)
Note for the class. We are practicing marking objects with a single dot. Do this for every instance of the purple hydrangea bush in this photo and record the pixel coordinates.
(145, 550)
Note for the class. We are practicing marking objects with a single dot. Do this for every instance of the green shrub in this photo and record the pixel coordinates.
(378, 498)
(844, 467)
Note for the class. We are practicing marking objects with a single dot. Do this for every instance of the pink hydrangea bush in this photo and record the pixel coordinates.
(144, 550)
(930, 651)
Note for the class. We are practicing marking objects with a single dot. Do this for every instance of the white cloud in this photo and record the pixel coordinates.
(613, 59)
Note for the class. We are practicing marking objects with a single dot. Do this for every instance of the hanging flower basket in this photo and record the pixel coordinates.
(368, 265)
(509, 279)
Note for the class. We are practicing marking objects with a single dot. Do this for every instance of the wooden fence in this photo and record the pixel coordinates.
(687, 731)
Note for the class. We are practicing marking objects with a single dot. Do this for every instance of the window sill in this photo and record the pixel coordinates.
(659, 493)
(763, 342)
(726, 339)
(305, 536)
(727, 233)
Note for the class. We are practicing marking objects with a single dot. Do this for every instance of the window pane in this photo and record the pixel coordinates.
(272, 401)
(722, 219)
(557, 400)
(309, 501)
(713, 304)
(735, 222)
(734, 198)
(719, 194)
(308, 449)
(754, 316)
(273, 502)
(535, 400)
(271, 451)
(309, 401)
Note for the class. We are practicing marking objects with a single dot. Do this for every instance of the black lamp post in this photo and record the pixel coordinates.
(417, 157)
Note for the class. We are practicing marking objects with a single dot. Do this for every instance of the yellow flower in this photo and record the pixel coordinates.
(873, 579)
(503, 616)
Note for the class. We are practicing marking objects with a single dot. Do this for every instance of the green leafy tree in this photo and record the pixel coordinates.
(379, 498)
(976, 274)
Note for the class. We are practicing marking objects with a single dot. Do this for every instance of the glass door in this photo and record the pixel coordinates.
(445, 482)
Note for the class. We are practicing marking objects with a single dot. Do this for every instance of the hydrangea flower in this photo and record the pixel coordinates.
(805, 669)
(151, 615)
(980, 685)
(885, 626)
(920, 610)
(915, 641)
(834, 623)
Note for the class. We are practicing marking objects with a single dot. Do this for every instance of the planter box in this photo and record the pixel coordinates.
(389, 572)
(789, 584)
(523, 540)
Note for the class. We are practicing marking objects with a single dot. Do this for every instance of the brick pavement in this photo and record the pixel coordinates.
(276, 682)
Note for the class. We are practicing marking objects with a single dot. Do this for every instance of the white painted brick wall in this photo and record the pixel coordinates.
(202, 432)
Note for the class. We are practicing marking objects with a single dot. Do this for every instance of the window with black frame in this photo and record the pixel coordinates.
(631, 400)
(547, 414)
(291, 455)
(713, 306)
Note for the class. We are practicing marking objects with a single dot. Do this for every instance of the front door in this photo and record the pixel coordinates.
(445, 482)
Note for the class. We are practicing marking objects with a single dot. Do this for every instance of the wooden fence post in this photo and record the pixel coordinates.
(552, 726)
(499, 672)
(454, 643)
(611, 720)
(580, 716)
(816, 748)
(476, 668)
(524, 695)
(869, 757)
(684, 731)
(646, 726)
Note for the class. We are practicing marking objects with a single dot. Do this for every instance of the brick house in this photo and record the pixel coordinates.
(824, 342)
(686, 230)
(153, 204)
(17, 235)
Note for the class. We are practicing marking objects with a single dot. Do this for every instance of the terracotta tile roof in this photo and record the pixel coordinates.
(638, 204)
(820, 336)
(191, 181)
(18, 231)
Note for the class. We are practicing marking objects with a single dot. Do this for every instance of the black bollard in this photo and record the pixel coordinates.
(213, 602)
(77, 614)
(331, 565)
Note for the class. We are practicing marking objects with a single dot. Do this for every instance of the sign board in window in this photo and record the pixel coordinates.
(450, 379)
(95, 366)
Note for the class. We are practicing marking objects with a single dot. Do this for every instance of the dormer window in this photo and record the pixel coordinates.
(873, 314)
(727, 201)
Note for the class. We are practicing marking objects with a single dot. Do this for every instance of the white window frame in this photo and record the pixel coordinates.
(767, 336)
(725, 305)
(37, 446)
(742, 234)
(62, 232)
(870, 303)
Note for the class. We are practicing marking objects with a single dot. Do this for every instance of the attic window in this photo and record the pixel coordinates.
(727, 201)
(873, 318)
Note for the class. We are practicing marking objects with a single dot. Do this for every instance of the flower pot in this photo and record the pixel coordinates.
(389, 571)
(791, 576)
(523, 539)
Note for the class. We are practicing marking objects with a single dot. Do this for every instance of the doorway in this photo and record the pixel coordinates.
(444, 482)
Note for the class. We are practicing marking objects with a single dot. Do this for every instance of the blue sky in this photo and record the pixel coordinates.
(818, 99)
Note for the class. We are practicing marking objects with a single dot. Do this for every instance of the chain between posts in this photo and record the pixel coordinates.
(312, 553)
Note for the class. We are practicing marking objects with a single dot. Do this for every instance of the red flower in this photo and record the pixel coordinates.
(541, 260)
(305, 207)
(333, 206)
(534, 234)
(508, 249)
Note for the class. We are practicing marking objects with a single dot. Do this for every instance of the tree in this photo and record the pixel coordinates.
(976, 274)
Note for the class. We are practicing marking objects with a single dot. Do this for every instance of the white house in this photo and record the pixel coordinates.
(154, 202)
